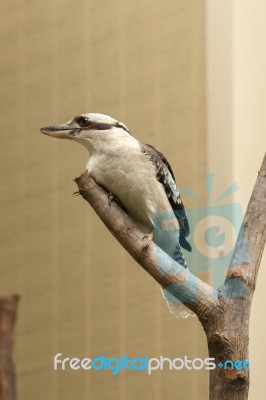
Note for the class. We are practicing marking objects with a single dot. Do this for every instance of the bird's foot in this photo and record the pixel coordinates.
(111, 198)
(147, 239)
(75, 194)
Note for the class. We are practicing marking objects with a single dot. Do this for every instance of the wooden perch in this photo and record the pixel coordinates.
(8, 311)
(224, 314)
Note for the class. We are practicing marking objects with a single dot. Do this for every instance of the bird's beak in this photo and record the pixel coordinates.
(63, 131)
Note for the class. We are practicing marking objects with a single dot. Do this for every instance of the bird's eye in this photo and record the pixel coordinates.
(83, 121)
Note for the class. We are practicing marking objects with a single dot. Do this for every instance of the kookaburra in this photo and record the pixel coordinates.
(137, 175)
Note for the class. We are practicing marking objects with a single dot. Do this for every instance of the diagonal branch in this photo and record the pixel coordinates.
(251, 240)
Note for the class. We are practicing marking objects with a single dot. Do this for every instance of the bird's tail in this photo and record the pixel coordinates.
(178, 309)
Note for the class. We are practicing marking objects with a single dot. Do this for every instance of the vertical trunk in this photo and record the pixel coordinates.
(228, 337)
(230, 378)
(8, 308)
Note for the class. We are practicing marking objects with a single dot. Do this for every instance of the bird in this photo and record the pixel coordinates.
(140, 178)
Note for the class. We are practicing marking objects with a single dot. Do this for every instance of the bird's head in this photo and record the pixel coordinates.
(88, 129)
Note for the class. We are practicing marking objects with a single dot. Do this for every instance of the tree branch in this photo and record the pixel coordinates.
(228, 338)
(224, 315)
(250, 244)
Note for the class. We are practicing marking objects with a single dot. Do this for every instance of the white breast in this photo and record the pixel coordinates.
(131, 177)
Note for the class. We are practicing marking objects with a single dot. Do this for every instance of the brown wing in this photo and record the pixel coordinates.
(165, 176)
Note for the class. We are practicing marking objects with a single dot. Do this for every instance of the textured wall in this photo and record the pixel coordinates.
(81, 294)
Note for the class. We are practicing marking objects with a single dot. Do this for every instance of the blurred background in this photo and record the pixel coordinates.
(185, 76)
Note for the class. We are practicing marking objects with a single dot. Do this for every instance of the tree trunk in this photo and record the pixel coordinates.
(224, 314)
(8, 311)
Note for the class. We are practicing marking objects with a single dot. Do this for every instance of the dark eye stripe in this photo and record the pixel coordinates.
(100, 126)
(86, 124)
(119, 125)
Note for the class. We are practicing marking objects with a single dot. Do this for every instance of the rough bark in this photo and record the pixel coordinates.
(8, 310)
(224, 314)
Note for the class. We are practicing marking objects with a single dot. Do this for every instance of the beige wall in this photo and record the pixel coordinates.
(81, 294)
(236, 67)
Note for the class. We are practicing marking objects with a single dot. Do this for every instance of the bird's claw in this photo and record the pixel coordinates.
(147, 239)
(75, 194)
(111, 198)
